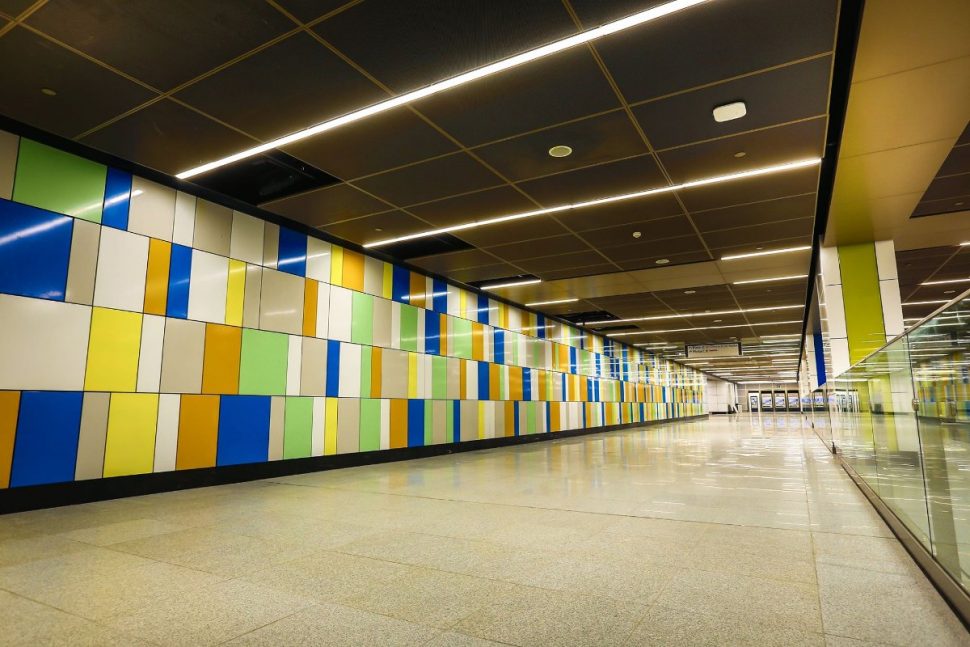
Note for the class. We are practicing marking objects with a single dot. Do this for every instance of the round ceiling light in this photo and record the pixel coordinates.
(637, 234)
(49, 92)
(560, 151)
(690, 291)
(662, 261)
(740, 154)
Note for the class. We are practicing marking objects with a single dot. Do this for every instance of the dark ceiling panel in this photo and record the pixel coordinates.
(431, 180)
(714, 41)
(946, 205)
(761, 148)
(512, 232)
(554, 245)
(774, 97)
(575, 272)
(650, 230)
(698, 299)
(447, 263)
(393, 139)
(549, 91)
(647, 248)
(758, 234)
(327, 206)
(757, 213)
(307, 10)
(377, 227)
(958, 161)
(625, 176)
(580, 261)
(161, 43)
(168, 137)
(777, 185)
(484, 273)
(408, 45)
(31, 63)
(595, 140)
(640, 210)
(500, 201)
(299, 73)
(647, 262)
(948, 187)
(14, 8)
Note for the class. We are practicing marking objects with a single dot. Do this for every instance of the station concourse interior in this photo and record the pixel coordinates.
(476, 322)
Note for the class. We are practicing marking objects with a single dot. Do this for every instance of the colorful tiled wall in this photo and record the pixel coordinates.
(147, 330)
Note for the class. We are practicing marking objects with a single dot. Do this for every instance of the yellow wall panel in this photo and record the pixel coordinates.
(130, 446)
(113, 350)
(235, 292)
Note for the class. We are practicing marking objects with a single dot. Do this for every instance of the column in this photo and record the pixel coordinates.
(862, 308)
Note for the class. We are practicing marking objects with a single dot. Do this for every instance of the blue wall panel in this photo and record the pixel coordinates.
(243, 429)
(45, 450)
(35, 246)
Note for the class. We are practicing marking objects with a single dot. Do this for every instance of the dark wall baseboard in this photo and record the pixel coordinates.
(53, 495)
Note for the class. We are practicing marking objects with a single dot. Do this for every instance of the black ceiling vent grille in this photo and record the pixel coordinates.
(504, 279)
(266, 177)
(589, 315)
(424, 247)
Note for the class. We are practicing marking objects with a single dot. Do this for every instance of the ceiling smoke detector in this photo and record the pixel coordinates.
(730, 111)
(560, 151)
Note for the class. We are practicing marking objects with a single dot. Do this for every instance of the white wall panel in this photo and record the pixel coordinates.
(207, 287)
(122, 266)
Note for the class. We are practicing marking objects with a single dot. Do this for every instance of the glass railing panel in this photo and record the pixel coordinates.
(940, 355)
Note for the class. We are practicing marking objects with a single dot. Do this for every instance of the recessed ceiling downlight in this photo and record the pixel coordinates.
(560, 151)
(662, 261)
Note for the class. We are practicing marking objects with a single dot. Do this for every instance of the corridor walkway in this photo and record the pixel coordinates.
(733, 531)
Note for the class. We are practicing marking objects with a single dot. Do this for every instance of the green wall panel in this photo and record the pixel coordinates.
(863, 304)
(297, 427)
(57, 181)
(262, 369)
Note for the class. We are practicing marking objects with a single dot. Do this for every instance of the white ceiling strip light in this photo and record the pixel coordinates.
(773, 278)
(660, 332)
(474, 75)
(510, 284)
(550, 303)
(712, 313)
(778, 168)
(769, 252)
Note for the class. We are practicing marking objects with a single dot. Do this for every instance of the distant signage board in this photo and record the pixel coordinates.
(713, 350)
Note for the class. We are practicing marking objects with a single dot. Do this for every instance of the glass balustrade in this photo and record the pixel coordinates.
(900, 419)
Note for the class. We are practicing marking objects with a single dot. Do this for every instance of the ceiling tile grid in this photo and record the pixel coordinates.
(183, 83)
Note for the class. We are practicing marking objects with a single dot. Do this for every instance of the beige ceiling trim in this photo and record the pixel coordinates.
(908, 103)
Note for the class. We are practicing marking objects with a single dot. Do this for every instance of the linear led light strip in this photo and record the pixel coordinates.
(549, 303)
(510, 284)
(967, 280)
(474, 75)
(692, 314)
(658, 332)
(773, 278)
(767, 170)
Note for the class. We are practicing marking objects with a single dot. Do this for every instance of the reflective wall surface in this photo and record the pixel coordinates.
(901, 420)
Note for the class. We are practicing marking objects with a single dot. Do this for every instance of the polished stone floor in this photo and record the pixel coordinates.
(733, 531)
